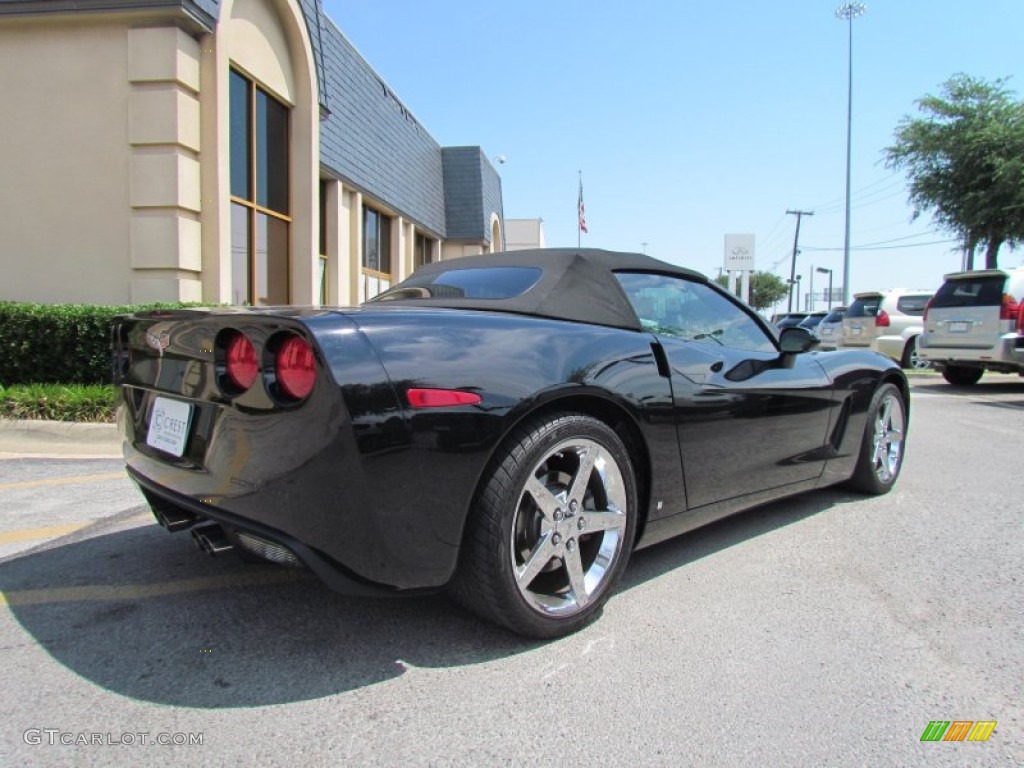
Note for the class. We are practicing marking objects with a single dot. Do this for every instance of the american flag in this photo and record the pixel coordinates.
(583, 217)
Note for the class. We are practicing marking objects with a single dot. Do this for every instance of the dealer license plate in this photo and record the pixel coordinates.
(168, 425)
(960, 327)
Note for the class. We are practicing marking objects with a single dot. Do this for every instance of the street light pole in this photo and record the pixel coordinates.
(848, 12)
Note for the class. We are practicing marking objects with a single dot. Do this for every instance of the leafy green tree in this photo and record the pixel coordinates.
(766, 289)
(964, 159)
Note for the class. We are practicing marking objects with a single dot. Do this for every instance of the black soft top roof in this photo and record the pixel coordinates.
(575, 284)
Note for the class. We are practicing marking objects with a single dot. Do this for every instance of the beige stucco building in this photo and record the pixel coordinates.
(238, 151)
(523, 234)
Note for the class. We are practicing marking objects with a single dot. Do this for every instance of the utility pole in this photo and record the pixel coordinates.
(796, 241)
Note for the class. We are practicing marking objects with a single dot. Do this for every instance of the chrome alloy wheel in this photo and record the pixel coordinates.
(890, 427)
(916, 361)
(569, 528)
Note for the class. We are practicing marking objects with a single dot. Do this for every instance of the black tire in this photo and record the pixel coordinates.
(881, 450)
(911, 359)
(962, 375)
(551, 528)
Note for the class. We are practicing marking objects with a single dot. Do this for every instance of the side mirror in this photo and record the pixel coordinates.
(794, 340)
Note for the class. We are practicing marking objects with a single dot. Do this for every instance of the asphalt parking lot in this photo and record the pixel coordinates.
(829, 629)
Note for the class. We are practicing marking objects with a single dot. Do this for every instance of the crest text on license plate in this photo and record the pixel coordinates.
(168, 425)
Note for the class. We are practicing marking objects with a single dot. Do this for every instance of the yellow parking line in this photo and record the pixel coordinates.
(63, 481)
(40, 533)
(127, 592)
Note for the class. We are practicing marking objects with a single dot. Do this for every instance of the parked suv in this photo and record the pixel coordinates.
(788, 319)
(889, 322)
(830, 329)
(811, 321)
(976, 323)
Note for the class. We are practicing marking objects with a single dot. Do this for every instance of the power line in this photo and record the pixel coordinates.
(890, 181)
(863, 195)
(865, 203)
(882, 247)
(896, 239)
(902, 224)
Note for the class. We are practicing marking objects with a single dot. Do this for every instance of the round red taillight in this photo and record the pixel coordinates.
(296, 368)
(242, 367)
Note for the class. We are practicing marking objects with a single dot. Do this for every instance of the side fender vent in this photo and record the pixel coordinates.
(661, 359)
(839, 430)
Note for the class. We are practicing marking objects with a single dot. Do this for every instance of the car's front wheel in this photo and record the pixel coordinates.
(881, 451)
(962, 375)
(551, 527)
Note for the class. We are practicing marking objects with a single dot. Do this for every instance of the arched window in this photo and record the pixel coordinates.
(496, 239)
(260, 216)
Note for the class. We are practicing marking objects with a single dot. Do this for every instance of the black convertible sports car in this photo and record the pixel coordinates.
(507, 427)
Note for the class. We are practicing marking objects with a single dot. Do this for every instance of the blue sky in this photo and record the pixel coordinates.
(692, 120)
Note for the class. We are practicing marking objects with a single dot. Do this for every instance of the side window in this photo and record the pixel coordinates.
(912, 305)
(683, 309)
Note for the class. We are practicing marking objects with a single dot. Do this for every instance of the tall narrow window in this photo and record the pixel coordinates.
(323, 243)
(260, 194)
(376, 260)
(423, 251)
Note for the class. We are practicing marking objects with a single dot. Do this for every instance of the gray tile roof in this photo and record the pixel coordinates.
(472, 193)
(205, 12)
(372, 141)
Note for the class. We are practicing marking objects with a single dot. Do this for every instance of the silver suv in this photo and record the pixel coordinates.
(976, 323)
(830, 329)
(889, 322)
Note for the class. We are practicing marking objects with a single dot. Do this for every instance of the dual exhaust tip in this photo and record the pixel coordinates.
(208, 537)
(212, 539)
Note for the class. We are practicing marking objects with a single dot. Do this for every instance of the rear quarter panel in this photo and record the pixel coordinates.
(519, 365)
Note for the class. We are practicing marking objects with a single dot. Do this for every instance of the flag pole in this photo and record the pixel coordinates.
(581, 219)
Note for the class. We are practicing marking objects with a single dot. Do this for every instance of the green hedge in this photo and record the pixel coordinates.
(58, 402)
(58, 343)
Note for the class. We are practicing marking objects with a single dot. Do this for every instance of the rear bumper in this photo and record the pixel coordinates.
(332, 573)
(829, 341)
(354, 517)
(863, 346)
(890, 346)
(1007, 355)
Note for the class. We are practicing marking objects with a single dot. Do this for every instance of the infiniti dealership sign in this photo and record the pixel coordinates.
(739, 253)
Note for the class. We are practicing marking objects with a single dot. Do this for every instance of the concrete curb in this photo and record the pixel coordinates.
(59, 438)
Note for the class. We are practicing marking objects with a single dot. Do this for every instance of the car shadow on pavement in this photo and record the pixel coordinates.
(987, 387)
(143, 614)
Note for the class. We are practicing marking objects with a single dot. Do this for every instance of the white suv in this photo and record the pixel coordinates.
(889, 322)
(976, 323)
